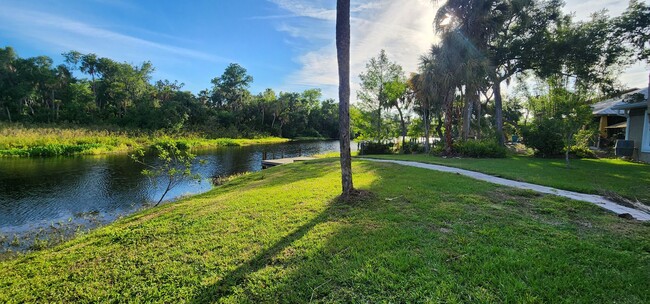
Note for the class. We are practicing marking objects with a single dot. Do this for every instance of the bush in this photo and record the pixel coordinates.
(582, 152)
(545, 137)
(411, 147)
(376, 148)
(480, 149)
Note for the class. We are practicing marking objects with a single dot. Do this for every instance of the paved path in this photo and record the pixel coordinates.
(590, 198)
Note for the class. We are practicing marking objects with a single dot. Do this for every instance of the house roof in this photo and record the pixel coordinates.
(605, 108)
(632, 105)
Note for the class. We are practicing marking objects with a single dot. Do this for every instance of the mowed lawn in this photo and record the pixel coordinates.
(282, 235)
(595, 176)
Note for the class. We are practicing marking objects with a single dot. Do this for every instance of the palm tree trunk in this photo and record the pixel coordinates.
(498, 112)
(343, 54)
(467, 111)
(427, 127)
(449, 107)
(479, 115)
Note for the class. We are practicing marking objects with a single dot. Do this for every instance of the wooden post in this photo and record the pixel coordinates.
(603, 126)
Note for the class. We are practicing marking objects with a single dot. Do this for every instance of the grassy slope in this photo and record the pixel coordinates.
(597, 176)
(48, 141)
(281, 236)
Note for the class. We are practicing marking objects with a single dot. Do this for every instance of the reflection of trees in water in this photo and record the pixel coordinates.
(45, 188)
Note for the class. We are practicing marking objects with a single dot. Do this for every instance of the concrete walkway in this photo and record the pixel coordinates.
(590, 198)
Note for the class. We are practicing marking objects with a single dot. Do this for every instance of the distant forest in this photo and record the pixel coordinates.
(33, 90)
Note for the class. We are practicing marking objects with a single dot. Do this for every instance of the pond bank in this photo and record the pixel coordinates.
(282, 235)
(37, 194)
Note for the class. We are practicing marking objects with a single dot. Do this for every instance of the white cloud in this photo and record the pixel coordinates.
(404, 31)
(70, 34)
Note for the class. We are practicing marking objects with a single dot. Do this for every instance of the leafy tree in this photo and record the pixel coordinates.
(174, 166)
(510, 33)
(122, 94)
(634, 26)
(399, 96)
(232, 87)
(373, 94)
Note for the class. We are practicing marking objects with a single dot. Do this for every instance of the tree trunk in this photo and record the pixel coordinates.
(427, 126)
(8, 114)
(402, 124)
(566, 153)
(449, 107)
(498, 112)
(467, 111)
(343, 56)
(439, 124)
(379, 123)
(479, 115)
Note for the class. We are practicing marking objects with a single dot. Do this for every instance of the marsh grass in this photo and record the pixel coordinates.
(283, 235)
(18, 140)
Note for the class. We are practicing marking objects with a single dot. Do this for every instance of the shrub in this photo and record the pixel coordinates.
(480, 149)
(545, 137)
(411, 147)
(582, 152)
(376, 148)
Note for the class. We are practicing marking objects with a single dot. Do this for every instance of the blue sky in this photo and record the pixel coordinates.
(285, 44)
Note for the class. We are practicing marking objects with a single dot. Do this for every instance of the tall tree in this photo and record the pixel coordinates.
(232, 87)
(399, 96)
(511, 34)
(373, 94)
(634, 26)
(343, 56)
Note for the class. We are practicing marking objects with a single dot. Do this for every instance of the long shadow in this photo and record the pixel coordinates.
(224, 287)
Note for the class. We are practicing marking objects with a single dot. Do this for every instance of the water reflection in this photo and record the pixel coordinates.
(40, 191)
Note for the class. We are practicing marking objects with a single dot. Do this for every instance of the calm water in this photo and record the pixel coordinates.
(37, 192)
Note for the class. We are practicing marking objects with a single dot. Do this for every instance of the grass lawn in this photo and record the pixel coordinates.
(281, 235)
(596, 176)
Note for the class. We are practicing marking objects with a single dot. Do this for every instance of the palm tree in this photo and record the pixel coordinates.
(447, 67)
(343, 55)
(473, 22)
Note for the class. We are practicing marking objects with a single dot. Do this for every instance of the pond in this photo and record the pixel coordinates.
(38, 194)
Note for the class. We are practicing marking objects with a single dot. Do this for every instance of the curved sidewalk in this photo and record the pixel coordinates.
(590, 198)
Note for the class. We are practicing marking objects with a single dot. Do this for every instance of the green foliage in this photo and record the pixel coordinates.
(582, 152)
(18, 140)
(480, 149)
(545, 137)
(634, 26)
(370, 147)
(174, 164)
(379, 82)
(32, 90)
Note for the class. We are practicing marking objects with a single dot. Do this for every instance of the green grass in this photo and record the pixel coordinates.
(16, 140)
(596, 176)
(281, 235)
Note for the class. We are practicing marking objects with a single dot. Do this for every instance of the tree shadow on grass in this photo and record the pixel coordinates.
(442, 238)
(226, 286)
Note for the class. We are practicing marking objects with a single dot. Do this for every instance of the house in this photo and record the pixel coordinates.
(611, 122)
(637, 110)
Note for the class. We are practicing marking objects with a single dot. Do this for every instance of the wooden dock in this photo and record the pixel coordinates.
(268, 163)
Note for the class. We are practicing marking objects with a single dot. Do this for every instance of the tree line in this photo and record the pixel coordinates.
(34, 90)
(456, 94)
